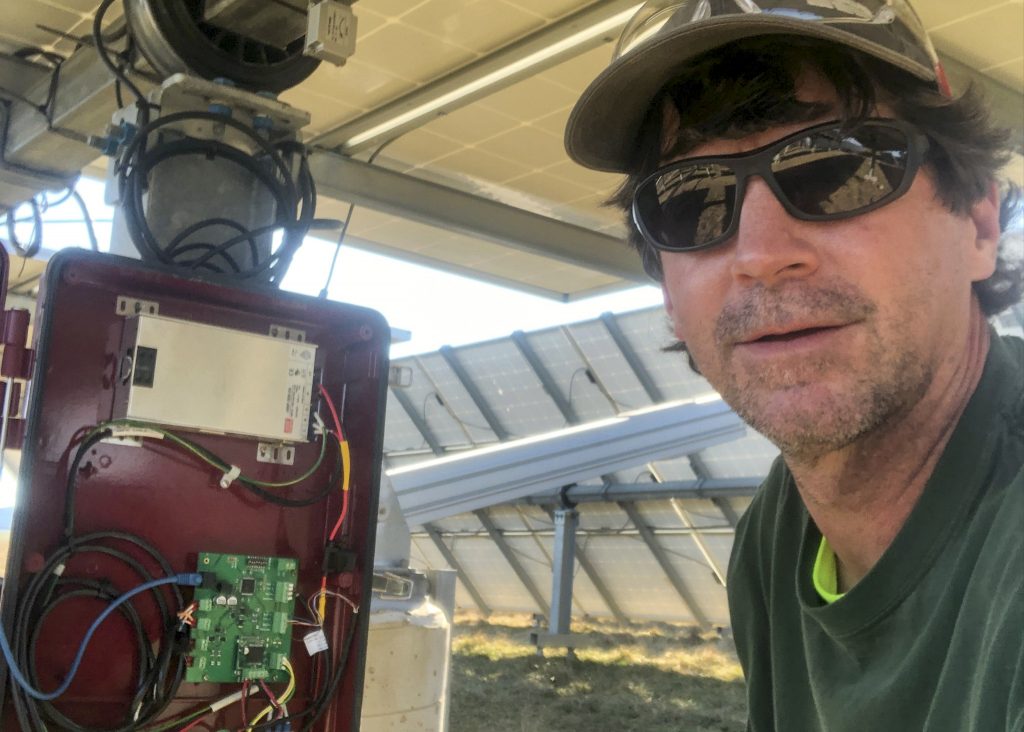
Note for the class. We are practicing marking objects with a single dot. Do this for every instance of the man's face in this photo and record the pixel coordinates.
(819, 332)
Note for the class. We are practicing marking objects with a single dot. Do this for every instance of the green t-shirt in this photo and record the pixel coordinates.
(932, 638)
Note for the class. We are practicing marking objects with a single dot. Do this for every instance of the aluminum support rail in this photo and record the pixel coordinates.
(711, 488)
(581, 31)
(447, 208)
(514, 470)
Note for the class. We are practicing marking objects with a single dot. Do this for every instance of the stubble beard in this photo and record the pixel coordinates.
(815, 406)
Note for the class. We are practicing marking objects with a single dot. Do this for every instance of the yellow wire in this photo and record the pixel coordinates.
(346, 464)
(283, 699)
(346, 472)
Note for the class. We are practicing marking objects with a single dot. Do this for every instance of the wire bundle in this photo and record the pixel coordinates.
(294, 198)
(161, 667)
(160, 670)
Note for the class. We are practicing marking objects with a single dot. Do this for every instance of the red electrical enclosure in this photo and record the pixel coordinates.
(174, 502)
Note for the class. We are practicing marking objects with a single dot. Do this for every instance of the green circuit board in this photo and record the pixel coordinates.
(242, 629)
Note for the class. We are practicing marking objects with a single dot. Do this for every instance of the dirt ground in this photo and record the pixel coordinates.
(652, 677)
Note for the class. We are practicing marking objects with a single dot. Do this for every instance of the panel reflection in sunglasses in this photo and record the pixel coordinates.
(832, 174)
(695, 203)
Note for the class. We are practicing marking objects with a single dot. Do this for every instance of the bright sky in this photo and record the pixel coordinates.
(437, 307)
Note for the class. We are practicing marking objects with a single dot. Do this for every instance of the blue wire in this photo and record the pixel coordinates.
(191, 579)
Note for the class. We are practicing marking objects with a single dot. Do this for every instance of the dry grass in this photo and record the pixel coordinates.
(653, 677)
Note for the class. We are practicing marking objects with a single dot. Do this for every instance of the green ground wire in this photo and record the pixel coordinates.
(211, 459)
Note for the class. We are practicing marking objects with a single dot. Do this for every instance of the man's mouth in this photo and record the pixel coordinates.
(791, 340)
(792, 335)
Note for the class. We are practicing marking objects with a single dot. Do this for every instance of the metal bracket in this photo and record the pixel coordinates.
(392, 586)
(275, 454)
(287, 334)
(128, 306)
(400, 377)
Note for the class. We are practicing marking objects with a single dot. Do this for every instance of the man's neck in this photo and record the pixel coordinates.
(860, 496)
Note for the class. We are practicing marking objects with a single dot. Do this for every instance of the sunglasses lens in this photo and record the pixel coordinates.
(687, 207)
(835, 174)
(827, 173)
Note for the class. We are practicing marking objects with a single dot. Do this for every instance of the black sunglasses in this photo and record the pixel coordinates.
(824, 173)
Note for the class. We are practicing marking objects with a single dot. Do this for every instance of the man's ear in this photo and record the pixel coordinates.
(984, 214)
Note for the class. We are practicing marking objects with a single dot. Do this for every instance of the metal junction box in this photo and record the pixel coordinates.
(212, 379)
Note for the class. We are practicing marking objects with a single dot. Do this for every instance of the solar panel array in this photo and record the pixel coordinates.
(529, 384)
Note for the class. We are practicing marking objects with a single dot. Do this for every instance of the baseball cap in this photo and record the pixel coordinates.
(664, 35)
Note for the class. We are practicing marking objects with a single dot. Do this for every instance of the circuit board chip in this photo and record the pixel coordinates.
(241, 621)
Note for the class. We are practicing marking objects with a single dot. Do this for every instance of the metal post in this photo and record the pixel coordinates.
(566, 521)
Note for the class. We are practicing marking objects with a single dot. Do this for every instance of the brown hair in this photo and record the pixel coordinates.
(750, 86)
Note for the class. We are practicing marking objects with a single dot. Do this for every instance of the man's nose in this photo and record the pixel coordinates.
(770, 245)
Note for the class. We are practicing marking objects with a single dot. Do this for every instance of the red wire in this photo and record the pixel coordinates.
(341, 516)
(334, 412)
(341, 438)
(270, 695)
(243, 700)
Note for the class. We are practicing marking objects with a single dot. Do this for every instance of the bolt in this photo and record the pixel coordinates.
(221, 109)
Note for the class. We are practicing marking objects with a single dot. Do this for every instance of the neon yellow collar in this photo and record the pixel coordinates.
(826, 580)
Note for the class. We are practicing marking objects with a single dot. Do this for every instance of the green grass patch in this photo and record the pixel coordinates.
(653, 677)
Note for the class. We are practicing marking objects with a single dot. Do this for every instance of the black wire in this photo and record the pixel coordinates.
(52, 58)
(344, 227)
(93, 241)
(158, 686)
(323, 699)
(295, 199)
(135, 174)
(320, 705)
(72, 480)
(173, 245)
(101, 49)
(36, 243)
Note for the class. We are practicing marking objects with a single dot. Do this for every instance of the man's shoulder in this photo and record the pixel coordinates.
(773, 514)
(763, 513)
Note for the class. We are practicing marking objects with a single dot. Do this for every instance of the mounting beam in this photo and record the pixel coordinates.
(542, 373)
(510, 556)
(479, 401)
(633, 492)
(447, 208)
(727, 510)
(449, 556)
(612, 326)
(421, 424)
(674, 578)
